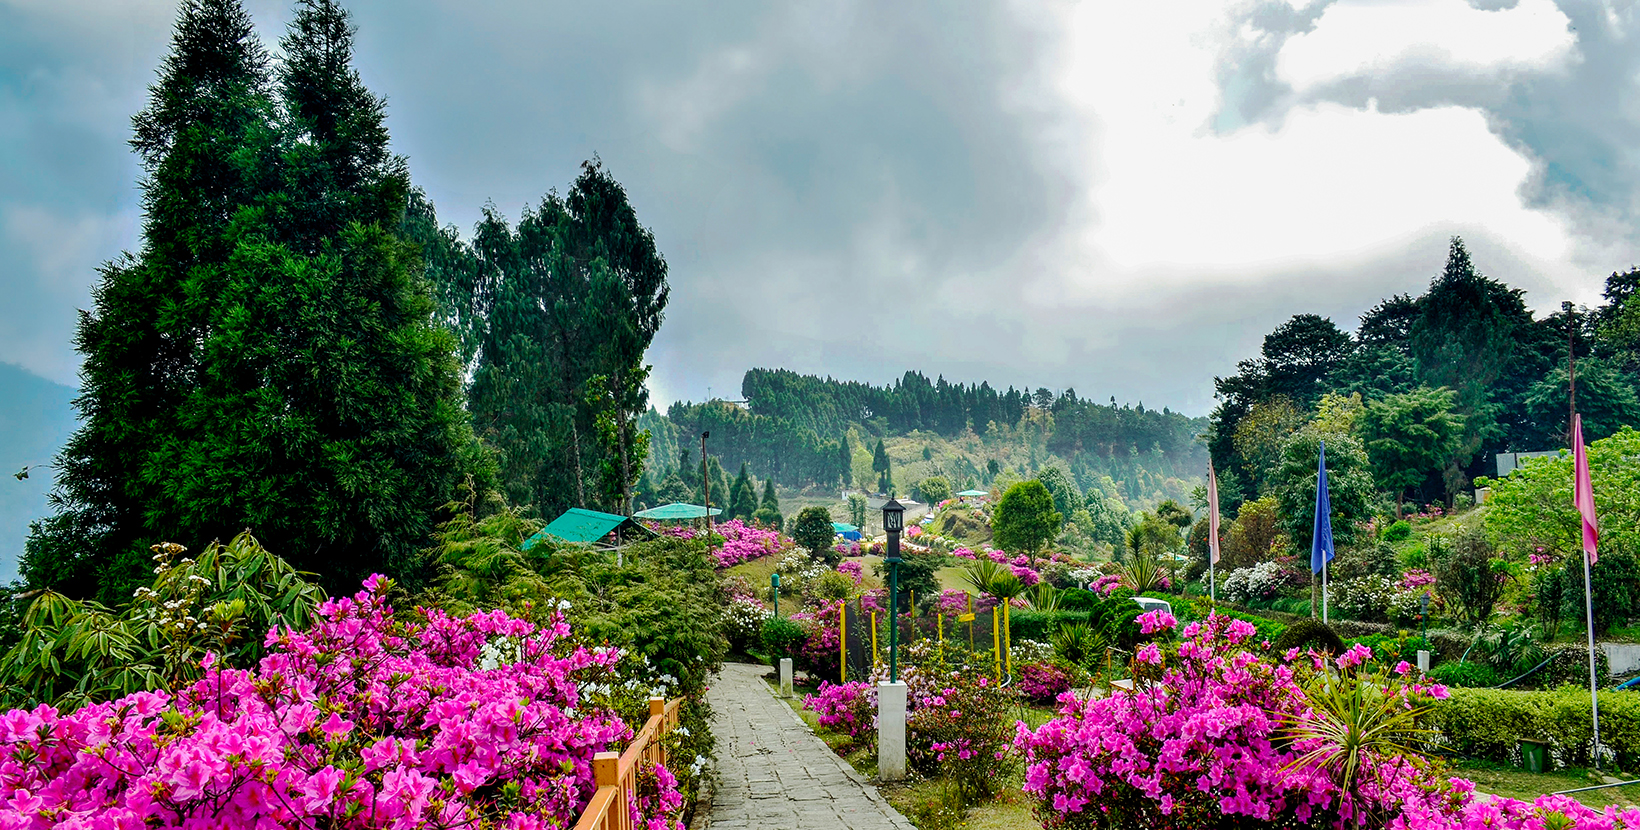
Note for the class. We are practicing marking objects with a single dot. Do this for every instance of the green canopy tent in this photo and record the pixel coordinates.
(675, 512)
(973, 494)
(589, 527)
(846, 531)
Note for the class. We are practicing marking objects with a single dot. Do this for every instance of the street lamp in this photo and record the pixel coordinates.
(893, 523)
(706, 488)
(891, 696)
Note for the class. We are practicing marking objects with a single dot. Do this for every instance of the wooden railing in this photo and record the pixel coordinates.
(615, 772)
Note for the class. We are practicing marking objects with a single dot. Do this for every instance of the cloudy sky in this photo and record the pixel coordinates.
(1118, 196)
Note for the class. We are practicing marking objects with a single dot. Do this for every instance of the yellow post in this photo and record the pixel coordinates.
(1008, 638)
(842, 642)
(874, 639)
(939, 620)
(996, 640)
(970, 622)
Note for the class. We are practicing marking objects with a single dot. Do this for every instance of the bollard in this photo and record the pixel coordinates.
(1423, 661)
(785, 677)
(891, 731)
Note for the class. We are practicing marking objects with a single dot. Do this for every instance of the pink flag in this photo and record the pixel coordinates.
(1583, 491)
(1212, 515)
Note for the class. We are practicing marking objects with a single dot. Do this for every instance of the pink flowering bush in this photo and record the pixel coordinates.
(743, 542)
(849, 709)
(853, 570)
(1042, 683)
(953, 603)
(363, 721)
(960, 728)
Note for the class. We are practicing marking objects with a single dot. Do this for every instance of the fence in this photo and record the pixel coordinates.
(616, 772)
(863, 646)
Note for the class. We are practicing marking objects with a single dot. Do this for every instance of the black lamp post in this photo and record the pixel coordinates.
(893, 523)
(1423, 618)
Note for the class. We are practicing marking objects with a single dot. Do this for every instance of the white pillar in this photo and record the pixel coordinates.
(1423, 661)
(891, 731)
(785, 677)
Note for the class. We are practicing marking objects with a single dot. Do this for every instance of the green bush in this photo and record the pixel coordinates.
(1467, 674)
(1025, 624)
(1077, 599)
(1568, 666)
(1490, 723)
(1390, 649)
(1398, 531)
(1310, 633)
(781, 637)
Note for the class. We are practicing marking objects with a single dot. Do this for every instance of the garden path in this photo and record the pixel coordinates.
(773, 771)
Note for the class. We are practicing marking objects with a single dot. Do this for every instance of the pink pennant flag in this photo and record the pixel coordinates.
(1212, 515)
(1583, 491)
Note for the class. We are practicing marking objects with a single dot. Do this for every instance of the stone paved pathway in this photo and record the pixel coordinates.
(774, 772)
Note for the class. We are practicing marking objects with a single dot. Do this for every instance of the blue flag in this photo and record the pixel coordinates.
(1321, 548)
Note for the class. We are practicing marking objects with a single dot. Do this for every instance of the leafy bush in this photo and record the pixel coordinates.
(71, 653)
(960, 728)
(1569, 665)
(1398, 531)
(1469, 574)
(1467, 674)
(848, 709)
(666, 602)
(780, 638)
(1490, 723)
(1262, 581)
(743, 621)
(1310, 634)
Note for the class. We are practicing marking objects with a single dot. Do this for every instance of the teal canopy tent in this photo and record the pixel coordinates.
(675, 512)
(589, 527)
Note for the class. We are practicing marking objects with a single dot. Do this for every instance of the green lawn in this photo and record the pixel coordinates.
(1514, 782)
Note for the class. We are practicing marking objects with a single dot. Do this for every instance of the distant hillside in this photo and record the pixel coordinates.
(35, 419)
(810, 432)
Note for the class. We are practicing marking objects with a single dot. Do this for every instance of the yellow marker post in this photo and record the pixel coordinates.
(996, 641)
(939, 622)
(874, 639)
(842, 642)
(1008, 638)
(970, 622)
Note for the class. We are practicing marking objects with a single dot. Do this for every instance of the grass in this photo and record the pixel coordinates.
(1513, 782)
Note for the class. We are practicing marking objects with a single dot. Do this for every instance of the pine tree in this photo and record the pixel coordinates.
(206, 142)
(770, 500)
(312, 400)
(743, 496)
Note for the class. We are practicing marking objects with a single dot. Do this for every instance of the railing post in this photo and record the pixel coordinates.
(657, 706)
(606, 772)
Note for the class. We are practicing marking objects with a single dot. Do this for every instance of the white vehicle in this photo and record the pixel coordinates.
(1150, 604)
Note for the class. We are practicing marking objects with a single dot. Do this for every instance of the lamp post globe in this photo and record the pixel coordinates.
(893, 523)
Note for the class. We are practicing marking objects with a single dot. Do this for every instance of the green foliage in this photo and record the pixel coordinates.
(1067, 498)
(934, 489)
(1490, 723)
(1398, 531)
(1349, 486)
(1309, 634)
(858, 509)
(1469, 574)
(1411, 435)
(1467, 674)
(269, 358)
(917, 574)
(770, 501)
(664, 602)
(72, 653)
(781, 637)
(1253, 535)
(812, 529)
(1025, 518)
(742, 497)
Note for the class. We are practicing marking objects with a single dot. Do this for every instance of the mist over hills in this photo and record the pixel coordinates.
(36, 417)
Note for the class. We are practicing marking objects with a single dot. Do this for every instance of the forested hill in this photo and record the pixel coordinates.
(802, 430)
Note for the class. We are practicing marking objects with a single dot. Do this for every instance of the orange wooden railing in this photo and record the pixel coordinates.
(615, 772)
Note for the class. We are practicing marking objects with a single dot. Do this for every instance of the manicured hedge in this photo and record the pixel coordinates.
(1490, 723)
(1025, 624)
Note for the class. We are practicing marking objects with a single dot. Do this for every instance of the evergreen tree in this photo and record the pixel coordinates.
(768, 510)
(770, 500)
(312, 399)
(205, 141)
(742, 496)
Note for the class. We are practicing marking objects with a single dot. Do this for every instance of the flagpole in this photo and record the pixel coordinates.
(1583, 498)
(1324, 592)
(1594, 695)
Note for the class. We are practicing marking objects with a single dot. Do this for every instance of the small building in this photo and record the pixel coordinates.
(606, 531)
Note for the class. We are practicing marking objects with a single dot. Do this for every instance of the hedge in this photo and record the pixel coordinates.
(1490, 723)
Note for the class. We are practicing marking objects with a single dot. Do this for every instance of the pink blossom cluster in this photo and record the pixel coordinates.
(1042, 683)
(953, 603)
(1106, 585)
(743, 543)
(1025, 574)
(848, 708)
(852, 569)
(964, 553)
(848, 548)
(1415, 578)
(362, 721)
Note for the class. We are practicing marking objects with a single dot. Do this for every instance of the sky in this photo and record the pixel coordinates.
(1117, 197)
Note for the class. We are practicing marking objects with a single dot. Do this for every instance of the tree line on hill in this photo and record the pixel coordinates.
(299, 348)
(1426, 392)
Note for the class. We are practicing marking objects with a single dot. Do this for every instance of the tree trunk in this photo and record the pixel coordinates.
(575, 457)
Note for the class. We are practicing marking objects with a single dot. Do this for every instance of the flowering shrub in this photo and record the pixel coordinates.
(1042, 683)
(853, 570)
(819, 652)
(959, 727)
(743, 543)
(363, 721)
(848, 708)
(1262, 581)
(1414, 579)
(953, 603)
(1026, 575)
(1376, 598)
(743, 620)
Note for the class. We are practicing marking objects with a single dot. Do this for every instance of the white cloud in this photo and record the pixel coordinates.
(1179, 205)
(1367, 38)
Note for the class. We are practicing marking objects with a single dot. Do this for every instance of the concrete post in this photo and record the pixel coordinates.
(785, 677)
(891, 731)
(1423, 661)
